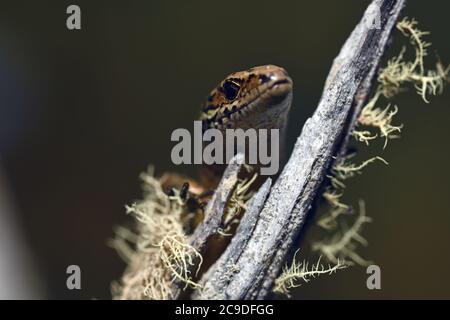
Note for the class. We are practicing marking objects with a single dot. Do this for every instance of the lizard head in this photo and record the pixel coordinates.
(259, 97)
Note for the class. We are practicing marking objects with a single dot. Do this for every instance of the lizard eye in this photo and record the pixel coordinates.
(231, 90)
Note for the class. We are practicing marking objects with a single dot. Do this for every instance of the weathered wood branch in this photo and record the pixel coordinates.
(223, 270)
(215, 209)
(214, 213)
(252, 261)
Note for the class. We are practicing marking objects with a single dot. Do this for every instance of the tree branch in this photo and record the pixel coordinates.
(252, 261)
(215, 209)
(214, 213)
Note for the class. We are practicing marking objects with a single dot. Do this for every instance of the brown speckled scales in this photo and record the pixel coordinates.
(258, 98)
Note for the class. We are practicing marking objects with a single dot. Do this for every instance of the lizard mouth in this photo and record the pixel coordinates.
(280, 88)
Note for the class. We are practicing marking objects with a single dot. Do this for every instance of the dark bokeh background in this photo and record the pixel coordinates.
(83, 112)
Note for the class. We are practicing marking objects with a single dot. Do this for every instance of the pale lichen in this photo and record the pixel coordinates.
(342, 245)
(158, 254)
(301, 272)
(394, 78)
(341, 171)
(380, 118)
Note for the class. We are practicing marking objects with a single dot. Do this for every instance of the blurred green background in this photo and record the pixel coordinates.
(82, 113)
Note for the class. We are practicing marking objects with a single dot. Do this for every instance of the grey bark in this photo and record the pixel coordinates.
(214, 212)
(266, 235)
(215, 209)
